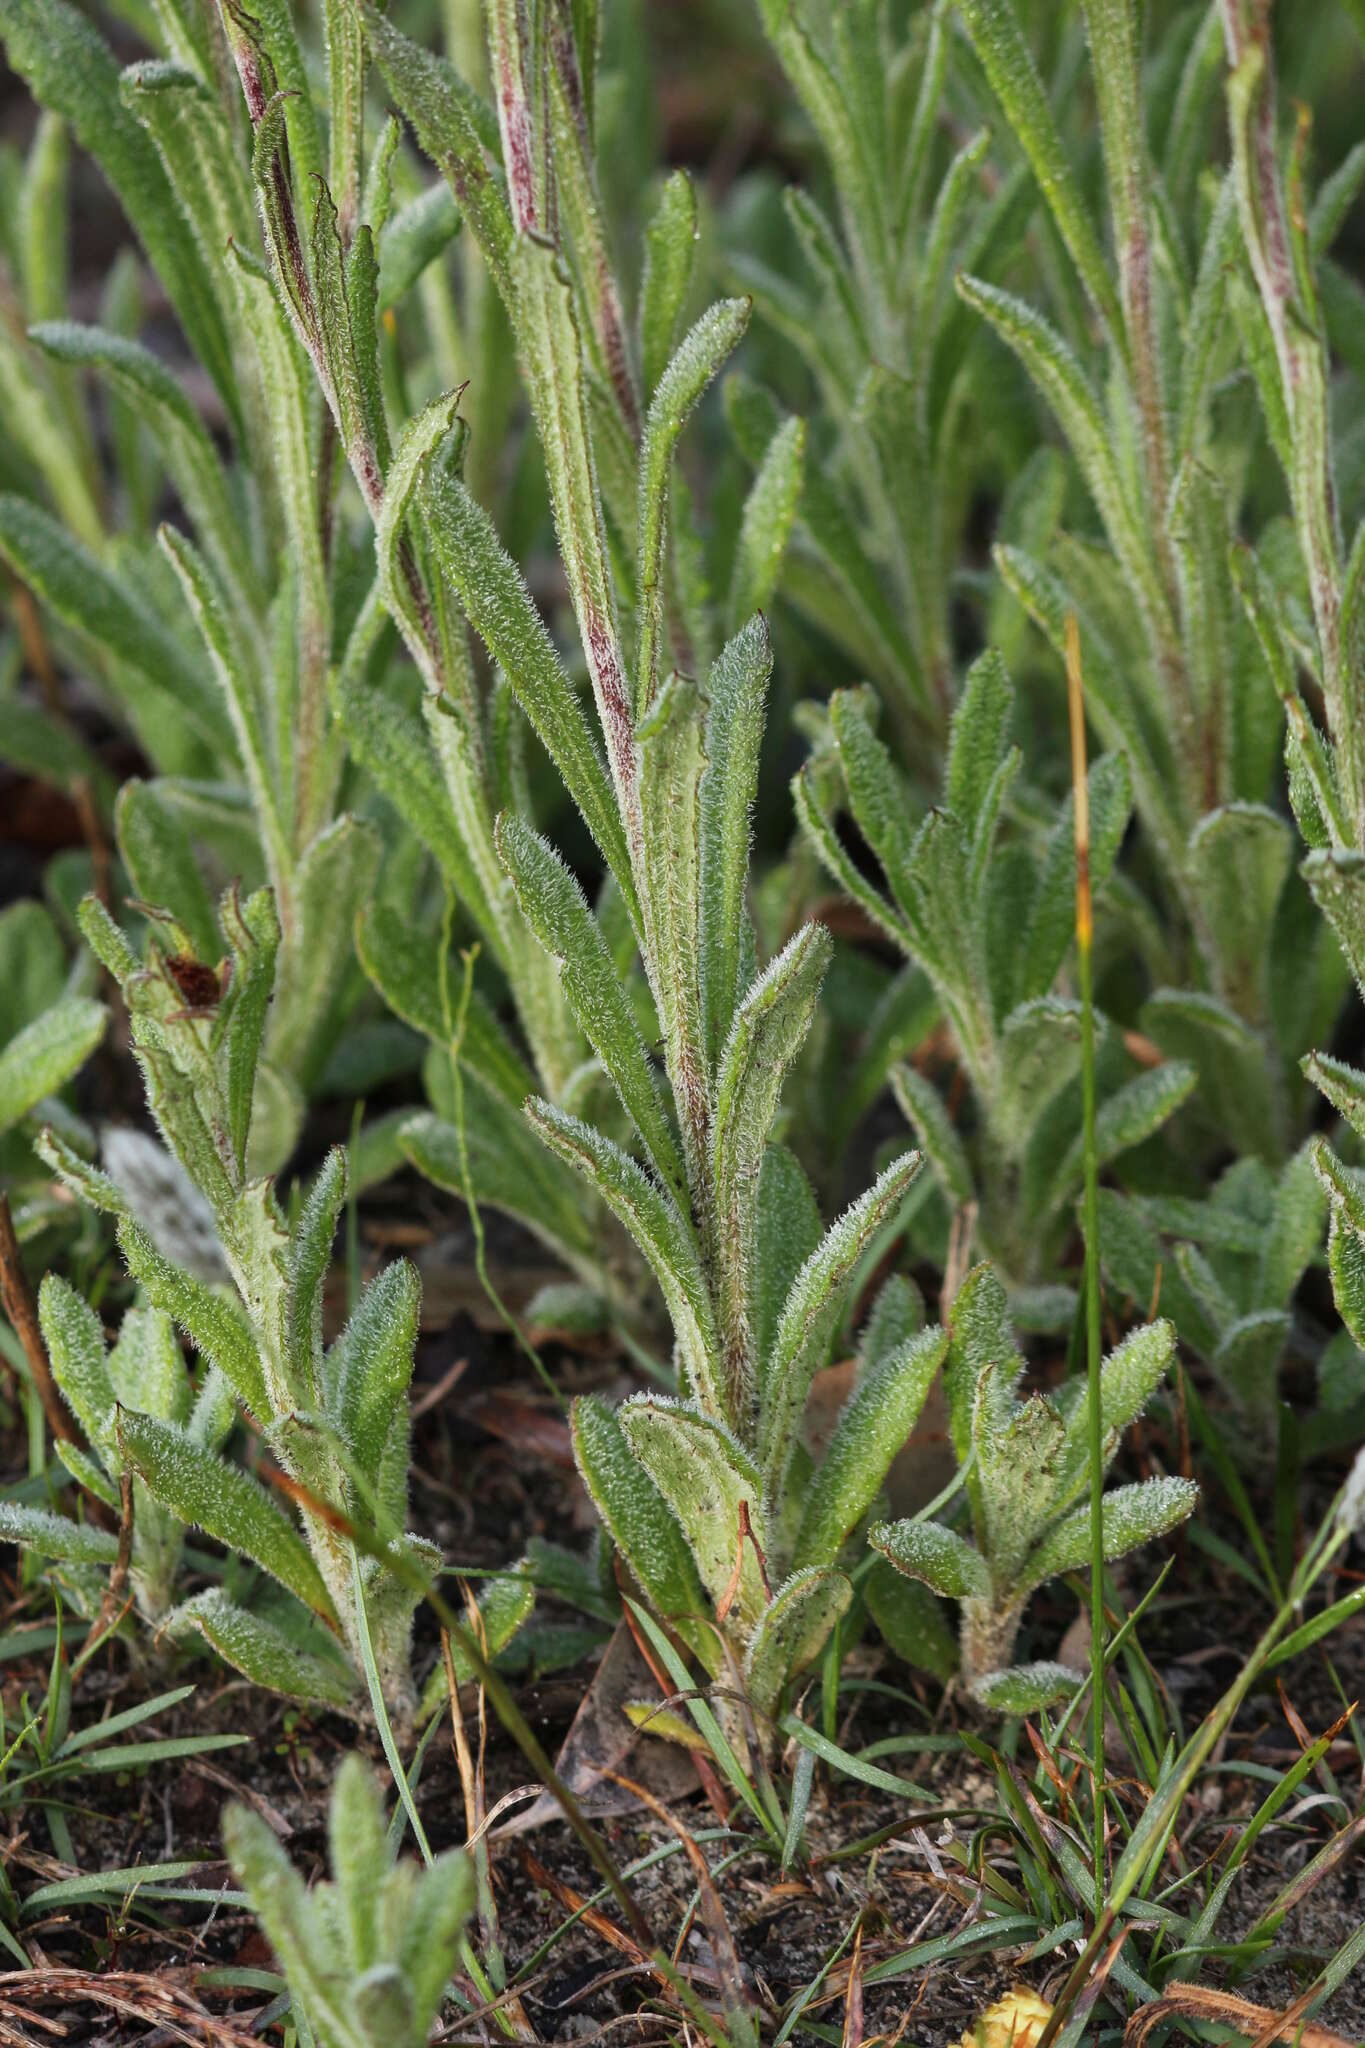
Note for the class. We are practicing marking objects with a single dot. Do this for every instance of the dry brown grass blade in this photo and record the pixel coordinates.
(853, 1996)
(706, 1771)
(574, 1902)
(746, 1535)
(158, 2000)
(1195, 2002)
(22, 1311)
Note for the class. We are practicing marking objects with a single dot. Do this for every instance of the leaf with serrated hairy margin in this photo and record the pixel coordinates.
(265, 1654)
(818, 821)
(878, 799)
(1336, 877)
(661, 1231)
(873, 1427)
(705, 1475)
(941, 1559)
(310, 1255)
(1131, 1515)
(978, 738)
(56, 1536)
(453, 125)
(1062, 382)
(1342, 1084)
(208, 1493)
(982, 1352)
(1129, 1376)
(811, 1314)
(228, 662)
(792, 1631)
(1026, 1688)
(369, 1367)
(213, 1324)
(1021, 1468)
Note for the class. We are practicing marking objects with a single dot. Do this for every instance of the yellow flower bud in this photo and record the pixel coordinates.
(1015, 2021)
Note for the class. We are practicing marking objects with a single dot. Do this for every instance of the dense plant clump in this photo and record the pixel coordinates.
(588, 764)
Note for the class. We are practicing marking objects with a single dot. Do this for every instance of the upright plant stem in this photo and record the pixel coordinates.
(1084, 937)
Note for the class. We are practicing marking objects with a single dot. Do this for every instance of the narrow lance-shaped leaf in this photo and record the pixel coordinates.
(212, 1324)
(75, 1346)
(671, 764)
(108, 613)
(210, 1494)
(1005, 58)
(57, 1536)
(670, 251)
(43, 1056)
(642, 1525)
(232, 671)
(143, 381)
(737, 689)
(370, 1366)
(812, 1312)
(873, 1427)
(253, 932)
(557, 911)
(769, 513)
(499, 607)
(662, 1233)
(310, 1255)
(71, 69)
(698, 358)
(1062, 382)
(454, 126)
(552, 356)
(269, 1655)
(769, 1028)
